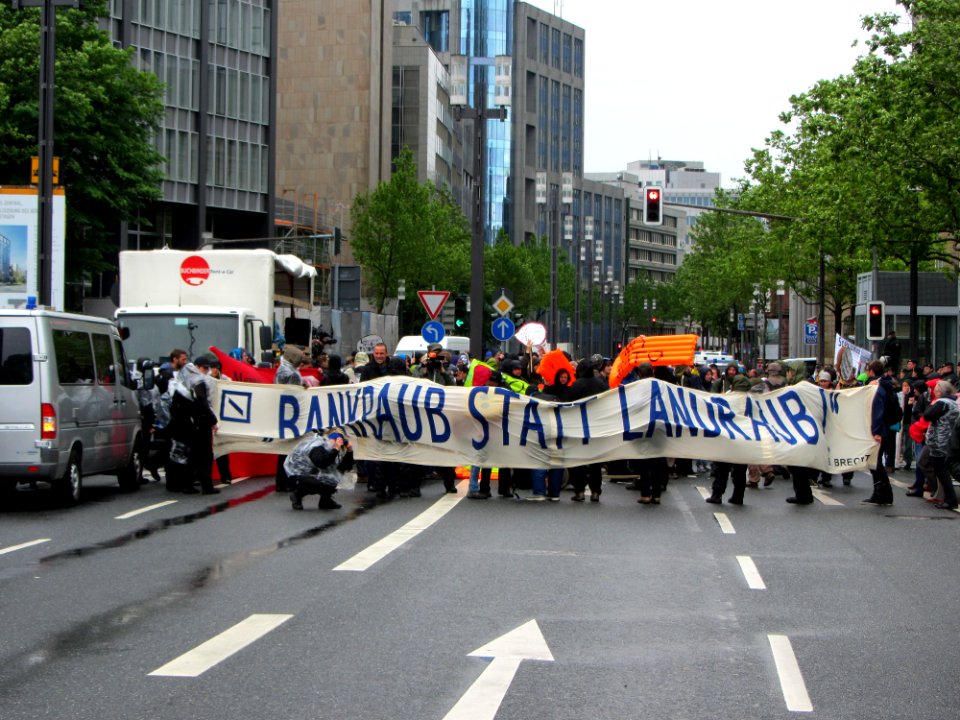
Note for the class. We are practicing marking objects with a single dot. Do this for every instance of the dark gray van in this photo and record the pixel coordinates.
(68, 406)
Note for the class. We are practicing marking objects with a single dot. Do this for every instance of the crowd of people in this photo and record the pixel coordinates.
(914, 419)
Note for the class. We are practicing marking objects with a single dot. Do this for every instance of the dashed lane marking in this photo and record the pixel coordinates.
(704, 493)
(825, 498)
(21, 546)
(380, 549)
(791, 680)
(724, 522)
(219, 648)
(141, 511)
(750, 573)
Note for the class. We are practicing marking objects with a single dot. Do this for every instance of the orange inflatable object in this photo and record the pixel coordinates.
(551, 363)
(657, 350)
(463, 473)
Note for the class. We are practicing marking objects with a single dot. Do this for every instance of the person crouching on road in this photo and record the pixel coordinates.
(316, 467)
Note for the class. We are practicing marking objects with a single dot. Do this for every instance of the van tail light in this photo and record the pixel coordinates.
(48, 422)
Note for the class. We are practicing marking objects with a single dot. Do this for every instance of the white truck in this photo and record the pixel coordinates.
(227, 298)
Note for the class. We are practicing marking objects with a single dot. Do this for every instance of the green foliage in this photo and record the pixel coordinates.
(525, 270)
(410, 230)
(107, 112)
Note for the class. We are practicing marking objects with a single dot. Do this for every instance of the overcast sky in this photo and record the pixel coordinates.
(703, 79)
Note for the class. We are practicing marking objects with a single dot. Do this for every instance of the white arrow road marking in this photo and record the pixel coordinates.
(825, 498)
(482, 700)
(704, 493)
(750, 573)
(725, 525)
(791, 681)
(219, 648)
(148, 508)
(21, 546)
(380, 549)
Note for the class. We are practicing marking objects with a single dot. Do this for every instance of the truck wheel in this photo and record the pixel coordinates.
(69, 486)
(129, 475)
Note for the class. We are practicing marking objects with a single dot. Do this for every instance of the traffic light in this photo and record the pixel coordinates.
(876, 320)
(459, 314)
(652, 206)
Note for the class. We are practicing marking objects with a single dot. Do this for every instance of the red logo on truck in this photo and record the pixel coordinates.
(194, 270)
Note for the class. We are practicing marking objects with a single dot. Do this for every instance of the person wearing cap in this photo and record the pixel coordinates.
(736, 471)
(882, 492)
(316, 467)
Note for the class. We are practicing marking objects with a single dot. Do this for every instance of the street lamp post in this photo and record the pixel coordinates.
(585, 255)
(401, 296)
(479, 113)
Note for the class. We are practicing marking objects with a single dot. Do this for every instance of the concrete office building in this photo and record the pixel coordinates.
(216, 60)
(334, 68)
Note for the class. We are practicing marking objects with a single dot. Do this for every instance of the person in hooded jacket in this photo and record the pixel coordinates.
(287, 374)
(587, 383)
(316, 467)
(882, 492)
(334, 374)
(193, 423)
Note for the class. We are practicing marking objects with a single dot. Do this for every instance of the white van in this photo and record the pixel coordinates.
(409, 345)
(68, 406)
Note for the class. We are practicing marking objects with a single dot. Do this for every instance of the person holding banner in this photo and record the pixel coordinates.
(882, 492)
(737, 471)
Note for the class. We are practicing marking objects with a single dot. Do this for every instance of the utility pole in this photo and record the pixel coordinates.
(48, 24)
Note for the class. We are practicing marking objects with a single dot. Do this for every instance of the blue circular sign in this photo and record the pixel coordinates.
(503, 329)
(432, 331)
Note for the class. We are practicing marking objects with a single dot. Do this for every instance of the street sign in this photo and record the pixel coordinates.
(810, 332)
(432, 331)
(502, 305)
(740, 324)
(503, 329)
(433, 301)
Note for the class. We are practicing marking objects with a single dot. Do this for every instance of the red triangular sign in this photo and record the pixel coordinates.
(433, 301)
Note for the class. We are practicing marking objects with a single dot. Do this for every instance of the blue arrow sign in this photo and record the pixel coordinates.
(432, 331)
(503, 329)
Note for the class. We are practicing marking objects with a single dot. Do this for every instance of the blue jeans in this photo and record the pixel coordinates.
(546, 482)
(479, 480)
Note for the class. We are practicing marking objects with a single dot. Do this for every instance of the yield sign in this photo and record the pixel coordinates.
(433, 301)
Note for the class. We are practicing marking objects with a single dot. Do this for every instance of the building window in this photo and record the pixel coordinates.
(544, 44)
(567, 52)
(578, 57)
(555, 47)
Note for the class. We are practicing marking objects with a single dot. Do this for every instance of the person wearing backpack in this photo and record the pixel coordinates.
(880, 428)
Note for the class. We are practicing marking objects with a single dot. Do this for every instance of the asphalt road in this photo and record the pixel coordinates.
(646, 611)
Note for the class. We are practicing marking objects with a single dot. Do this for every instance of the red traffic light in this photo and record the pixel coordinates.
(653, 194)
(875, 309)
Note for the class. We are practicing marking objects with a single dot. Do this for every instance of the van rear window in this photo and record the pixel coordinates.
(16, 356)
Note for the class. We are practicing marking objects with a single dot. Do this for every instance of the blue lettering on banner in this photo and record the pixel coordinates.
(714, 429)
(681, 413)
(435, 415)
(314, 417)
(288, 422)
(728, 418)
(658, 411)
(414, 434)
(479, 417)
(785, 433)
(235, 406)
(559, 416)
(505, 415)
(532, 423)
(385, 414)
(799, 418)
(758, 421)
(628, 433)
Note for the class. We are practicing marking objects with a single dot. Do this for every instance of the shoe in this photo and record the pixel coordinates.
(536, 498)
(154, 474)
(295, 502)
(451, 490)
(328, 504)
(945, 506)
(875, 501)
(578, 497)
(933, 500)
(414, 493)
(735, 501)
(595, 497)
(768, 480)
(714, 500)
(753, 484)
(477, 496)
(798, 501)
(211, 491)
(654, 501)
(827, 484)
(914, 493)
(644, 501)
(553, 498)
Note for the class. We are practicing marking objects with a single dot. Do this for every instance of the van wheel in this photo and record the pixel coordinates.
(129, 475)
(69, 486)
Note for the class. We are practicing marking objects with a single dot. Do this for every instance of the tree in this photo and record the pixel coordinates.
(107, 112)
(410, 230)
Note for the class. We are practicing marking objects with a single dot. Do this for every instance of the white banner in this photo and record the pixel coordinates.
(410, 420)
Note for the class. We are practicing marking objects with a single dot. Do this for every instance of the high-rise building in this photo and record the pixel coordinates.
(216, 60)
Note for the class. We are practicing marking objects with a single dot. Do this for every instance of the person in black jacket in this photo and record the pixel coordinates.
(587, 383)
(334, 375)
